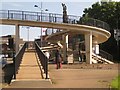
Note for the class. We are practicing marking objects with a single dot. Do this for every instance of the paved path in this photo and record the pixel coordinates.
(29, 74)
(29, 68)
(72, 76)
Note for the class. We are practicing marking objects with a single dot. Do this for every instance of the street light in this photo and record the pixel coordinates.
(28, 32)
(41, 17)
(40, 7)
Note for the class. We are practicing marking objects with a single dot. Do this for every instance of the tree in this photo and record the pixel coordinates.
(108, 12)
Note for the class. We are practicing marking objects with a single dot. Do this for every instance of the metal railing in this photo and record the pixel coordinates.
(11, 69)
(106, 55)
(51, 17)
(18, 58)
(43, 59)
(94, 22)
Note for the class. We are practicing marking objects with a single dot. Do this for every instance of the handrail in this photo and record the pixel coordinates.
(17, 59)
(101, 59)
(94, 22)
(15, 65)
(51, 17)
(106, 55)
(43, 59)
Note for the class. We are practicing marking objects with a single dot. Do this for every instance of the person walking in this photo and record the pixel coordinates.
(58, 59)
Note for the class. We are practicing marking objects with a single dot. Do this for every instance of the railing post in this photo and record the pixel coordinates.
(50, 17)
(8, 14)
(46, 68)
(11, 15)
(37, 17)
(41, 16)
(14, 68)
(55, 18)
(22, 15)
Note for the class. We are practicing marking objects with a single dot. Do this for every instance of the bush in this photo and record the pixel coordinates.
(116, 83)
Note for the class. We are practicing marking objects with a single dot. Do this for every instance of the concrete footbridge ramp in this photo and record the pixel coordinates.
(99, 29)
(95, 31)
(30, 69)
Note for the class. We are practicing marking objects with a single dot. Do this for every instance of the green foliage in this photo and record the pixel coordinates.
(105, 11)
(108, 12)
(116, 83)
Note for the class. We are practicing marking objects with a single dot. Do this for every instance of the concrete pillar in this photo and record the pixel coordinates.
(65, 46)
(17, 38)
(88, 47)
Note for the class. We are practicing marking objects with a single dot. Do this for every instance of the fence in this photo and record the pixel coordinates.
(106, 55)
(51, 17)
(18, 58)
(11, 69)
(43, 59)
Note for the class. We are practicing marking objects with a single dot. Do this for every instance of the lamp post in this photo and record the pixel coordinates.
(41, 17)
(28, 33)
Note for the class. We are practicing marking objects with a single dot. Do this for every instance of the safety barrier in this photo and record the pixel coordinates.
(18, 58)
(11, 69)
(106, 55)
(42, 58)
(51, 17)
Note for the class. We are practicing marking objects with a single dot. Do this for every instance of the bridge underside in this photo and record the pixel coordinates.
(92, 34)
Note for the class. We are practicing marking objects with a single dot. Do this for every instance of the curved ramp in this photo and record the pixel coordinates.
(48, 20)
(95, 31)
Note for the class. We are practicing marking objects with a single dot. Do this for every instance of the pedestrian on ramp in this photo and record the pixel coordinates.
(58, 59)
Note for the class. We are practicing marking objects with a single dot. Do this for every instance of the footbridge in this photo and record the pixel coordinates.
(33, 64)
(95, 31)
(29, 69)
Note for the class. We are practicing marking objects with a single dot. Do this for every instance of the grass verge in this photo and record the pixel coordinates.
(116, 83)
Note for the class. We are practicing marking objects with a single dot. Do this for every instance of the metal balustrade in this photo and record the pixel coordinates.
(11, 69)
(42, 58)
(18, 58)
(106, 55)
(51, 17)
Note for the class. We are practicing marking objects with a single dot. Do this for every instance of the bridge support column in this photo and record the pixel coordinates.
(65, 47)
(88, 47)
(17, 38)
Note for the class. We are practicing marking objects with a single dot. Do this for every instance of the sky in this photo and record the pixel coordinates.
(74, 7)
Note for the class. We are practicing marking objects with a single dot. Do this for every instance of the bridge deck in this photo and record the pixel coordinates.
(29, 68)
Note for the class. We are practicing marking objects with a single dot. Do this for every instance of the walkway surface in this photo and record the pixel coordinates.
(83, 76)
(29, 68)
(72, 76)
(29, 73)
